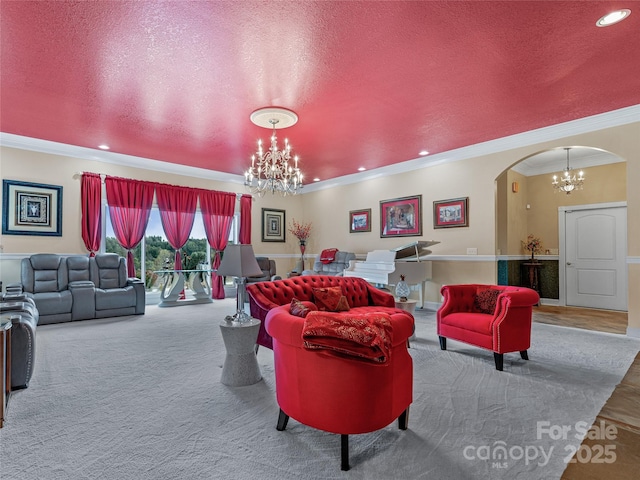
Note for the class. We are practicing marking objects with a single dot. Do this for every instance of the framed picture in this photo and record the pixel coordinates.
(451, 213)
(273, 225)
(31, 209)
(401, 217)
(360, 220)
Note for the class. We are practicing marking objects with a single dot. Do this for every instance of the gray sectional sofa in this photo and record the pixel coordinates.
(24, 319)
(79, 287)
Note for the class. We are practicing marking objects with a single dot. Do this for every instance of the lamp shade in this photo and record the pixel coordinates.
(239, 261)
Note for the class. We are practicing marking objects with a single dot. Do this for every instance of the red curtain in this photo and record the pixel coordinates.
(177, 207)
(245, 219)
(217, 214)
(91, 194)
(129, 208)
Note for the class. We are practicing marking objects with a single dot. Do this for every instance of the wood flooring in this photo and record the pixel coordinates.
(609, 321)
(611, 449)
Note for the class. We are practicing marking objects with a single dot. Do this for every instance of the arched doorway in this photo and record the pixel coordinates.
(527, 204)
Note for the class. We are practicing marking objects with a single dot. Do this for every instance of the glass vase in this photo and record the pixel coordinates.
(402, 289)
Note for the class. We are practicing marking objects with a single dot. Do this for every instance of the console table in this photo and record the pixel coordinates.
(173, 283)
(531, 273)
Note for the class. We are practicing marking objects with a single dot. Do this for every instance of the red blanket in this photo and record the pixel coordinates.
(328, 255)
(365, 336)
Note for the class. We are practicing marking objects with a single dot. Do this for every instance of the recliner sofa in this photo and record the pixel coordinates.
(24, 319)
(335, 268)
(79, 287)
(268, 268)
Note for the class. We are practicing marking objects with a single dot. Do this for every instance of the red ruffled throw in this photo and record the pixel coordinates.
(366, 336)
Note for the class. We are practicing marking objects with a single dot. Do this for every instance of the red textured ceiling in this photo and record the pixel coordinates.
(372, 82)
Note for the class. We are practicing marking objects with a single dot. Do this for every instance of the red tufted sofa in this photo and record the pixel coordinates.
(502, 329)
(335, 393)
(362, 297)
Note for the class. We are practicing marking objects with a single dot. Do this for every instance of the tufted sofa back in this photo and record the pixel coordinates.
(264, 296)
(44, 272)
(462, 298)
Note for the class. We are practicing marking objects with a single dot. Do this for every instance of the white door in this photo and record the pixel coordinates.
(595, 257)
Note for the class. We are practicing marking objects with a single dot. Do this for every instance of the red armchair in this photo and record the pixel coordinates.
(495, 317)
(339, 394)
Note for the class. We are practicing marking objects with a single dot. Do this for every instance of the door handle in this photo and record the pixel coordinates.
(568, 263)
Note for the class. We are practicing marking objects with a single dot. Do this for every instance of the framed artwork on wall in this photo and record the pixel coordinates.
(273, 225)
(401, 217)
(31, 209)
(451, 213)
(360, 220)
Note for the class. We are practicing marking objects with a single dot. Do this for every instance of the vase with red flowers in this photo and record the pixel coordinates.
(301, 231)
(533, 245)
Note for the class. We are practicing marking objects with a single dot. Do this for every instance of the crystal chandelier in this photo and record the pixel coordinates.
(568, 182)
(272, 170)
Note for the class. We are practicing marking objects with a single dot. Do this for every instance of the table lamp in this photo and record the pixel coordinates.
(240, 262)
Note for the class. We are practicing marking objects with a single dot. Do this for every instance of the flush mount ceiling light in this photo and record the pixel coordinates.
(103, 147)
(423, 153)
(568, 182)
(613, 17)
(270, 170)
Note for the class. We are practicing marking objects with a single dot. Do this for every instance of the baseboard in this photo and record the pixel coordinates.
(433, 306)
(633, 332)
(550, 301)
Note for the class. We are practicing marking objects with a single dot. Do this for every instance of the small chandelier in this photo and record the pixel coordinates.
(271, 170)
(568, 182)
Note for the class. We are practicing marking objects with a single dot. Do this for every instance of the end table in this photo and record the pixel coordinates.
(408, 305)
(240, 365)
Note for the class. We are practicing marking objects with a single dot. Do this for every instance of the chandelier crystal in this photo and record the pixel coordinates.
(272, 170)
(568, 181)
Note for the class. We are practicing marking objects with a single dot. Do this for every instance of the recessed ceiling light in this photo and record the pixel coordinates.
(423, 153)
(103, 147)
(361, 169)
(613, 17)
(316, 179)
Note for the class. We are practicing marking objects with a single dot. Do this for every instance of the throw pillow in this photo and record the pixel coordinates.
(330, 299)
(301, 309)
(485, 301)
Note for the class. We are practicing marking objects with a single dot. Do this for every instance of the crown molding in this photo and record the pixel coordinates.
(593, 123)
(84, 153)
(610, 119)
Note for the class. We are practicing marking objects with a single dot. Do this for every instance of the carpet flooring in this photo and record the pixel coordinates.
(140, 398)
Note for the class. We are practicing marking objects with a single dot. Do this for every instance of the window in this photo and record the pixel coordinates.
(154, 252)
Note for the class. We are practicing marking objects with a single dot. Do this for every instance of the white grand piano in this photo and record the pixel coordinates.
(384, 267)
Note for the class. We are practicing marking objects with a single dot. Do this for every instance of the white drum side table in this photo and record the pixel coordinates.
(240, 365)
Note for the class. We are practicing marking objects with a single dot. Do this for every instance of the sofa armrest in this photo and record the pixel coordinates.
(283, 326)
(14, 297)
(83, 293)
(380, 298)
(138, 287)
(523, 297)
(14, 288)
